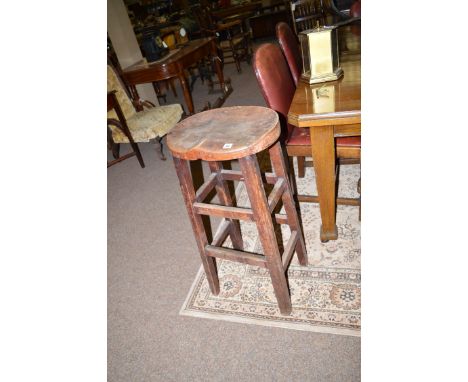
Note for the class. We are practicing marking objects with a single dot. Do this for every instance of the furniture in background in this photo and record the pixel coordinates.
(278, 89)
(330, 113)
(148, 125)
(263, 25)
(347, 13)
(238, 11)
(290, 46)
(355, 11)
(121, 124)
(227, 134)
(232, 38)
(306, 14)
(175, 65)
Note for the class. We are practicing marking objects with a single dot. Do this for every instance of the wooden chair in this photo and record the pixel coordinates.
(238, 133)
(233, 40)
(150, 124)
(113, 104)
(277, 86)
(306, 14)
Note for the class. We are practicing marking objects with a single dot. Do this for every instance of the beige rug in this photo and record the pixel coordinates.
(326, 295)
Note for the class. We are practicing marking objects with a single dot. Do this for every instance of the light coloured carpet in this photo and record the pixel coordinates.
(325, 295)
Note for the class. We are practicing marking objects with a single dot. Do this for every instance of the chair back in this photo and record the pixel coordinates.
(290, 47)
(204, 19)
(275, 81)
(115, 83)
(355, 10)
(306, 13)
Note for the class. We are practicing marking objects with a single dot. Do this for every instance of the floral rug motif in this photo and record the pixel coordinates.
(325, 295)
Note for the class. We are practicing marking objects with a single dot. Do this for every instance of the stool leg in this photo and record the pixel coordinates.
(258, 201)
(188, 192)
(225, 198)
(279, 168)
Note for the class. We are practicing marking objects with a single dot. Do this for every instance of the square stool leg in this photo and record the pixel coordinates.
(222, 191)
(188, 192)
(259, 204)
(279, 168)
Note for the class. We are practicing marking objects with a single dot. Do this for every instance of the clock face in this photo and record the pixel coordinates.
(182, 32)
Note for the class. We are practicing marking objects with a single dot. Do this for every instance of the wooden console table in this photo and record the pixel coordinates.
(175, 66)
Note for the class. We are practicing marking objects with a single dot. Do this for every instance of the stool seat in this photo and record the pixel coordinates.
(224, 134)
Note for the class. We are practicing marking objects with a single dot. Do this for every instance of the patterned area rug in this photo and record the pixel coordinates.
(326, 295)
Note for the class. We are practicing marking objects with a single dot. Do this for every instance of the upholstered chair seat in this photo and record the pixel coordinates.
(149, 125)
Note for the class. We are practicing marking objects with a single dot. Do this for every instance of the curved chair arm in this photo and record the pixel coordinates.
(140, 104)
(116, 123)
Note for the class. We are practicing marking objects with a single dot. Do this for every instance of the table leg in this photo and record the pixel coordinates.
(217, 63)
(323, 154)
(187, 93)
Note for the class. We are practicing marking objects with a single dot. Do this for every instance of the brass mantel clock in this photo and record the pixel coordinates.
(320, 55)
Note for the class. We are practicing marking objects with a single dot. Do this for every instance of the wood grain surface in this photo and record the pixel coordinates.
(225, 133)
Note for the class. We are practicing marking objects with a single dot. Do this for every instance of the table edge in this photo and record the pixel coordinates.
(338, 118)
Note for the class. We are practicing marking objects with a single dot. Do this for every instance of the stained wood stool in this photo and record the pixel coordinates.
(238, 133)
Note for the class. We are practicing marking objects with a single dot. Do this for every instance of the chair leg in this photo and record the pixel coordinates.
(300, 167)
(359, 190)
(159, 147)
(292, 177)
(235, 56)
(171, 83)
(111, 145)
(159, 93)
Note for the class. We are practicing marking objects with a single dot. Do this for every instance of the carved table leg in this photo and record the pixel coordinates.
(323, 154)
(217, 63)
(187, 93)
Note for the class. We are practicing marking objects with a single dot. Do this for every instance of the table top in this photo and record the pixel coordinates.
(184, 50)
(337, 102)
(225, 133)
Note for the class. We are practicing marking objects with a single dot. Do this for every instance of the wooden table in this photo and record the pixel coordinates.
(329, 110)
(175, 66)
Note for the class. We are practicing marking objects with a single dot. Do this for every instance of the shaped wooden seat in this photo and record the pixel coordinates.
(225, 134)
(238, 133)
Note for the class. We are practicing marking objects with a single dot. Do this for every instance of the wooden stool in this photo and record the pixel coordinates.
(238, 133)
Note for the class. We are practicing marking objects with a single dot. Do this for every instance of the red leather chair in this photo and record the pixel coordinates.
(277, 87)
(290, 47)
(355, 11)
